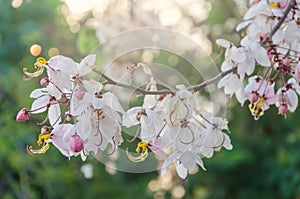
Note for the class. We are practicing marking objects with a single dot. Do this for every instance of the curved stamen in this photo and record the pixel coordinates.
(193, 137)
(143, 154)
(188, 111)
(256, 109)
(220, 145)
(42, 150)
(43, 139)
(172, 114)
(39, 66)
(101, 139)
(136, 135)
(43, 122)
(114, 147)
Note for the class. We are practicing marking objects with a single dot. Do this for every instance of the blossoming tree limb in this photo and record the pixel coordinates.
(84, 118)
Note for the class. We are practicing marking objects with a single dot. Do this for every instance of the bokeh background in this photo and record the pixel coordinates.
(265, 162)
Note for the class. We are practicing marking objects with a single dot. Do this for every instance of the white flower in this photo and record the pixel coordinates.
(178, 107)
(288, 96)
(151, 123)
(98, 119)
(233, 85)
(60, 69)
(213, 137)
(261, 8)
(47, 99)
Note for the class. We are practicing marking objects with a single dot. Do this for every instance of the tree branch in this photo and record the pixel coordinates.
(204, 84)
(137, 89)
(212, 80)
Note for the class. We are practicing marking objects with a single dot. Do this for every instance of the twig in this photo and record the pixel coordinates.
(137, 89)
(212, 80)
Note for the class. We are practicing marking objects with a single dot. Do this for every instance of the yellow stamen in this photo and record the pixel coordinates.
(39, 66)
(43, 139)
(42, 150)
(274, 5)
(142, 149)
(256, 110)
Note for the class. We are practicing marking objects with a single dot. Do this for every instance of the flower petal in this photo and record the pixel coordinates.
(86, 64)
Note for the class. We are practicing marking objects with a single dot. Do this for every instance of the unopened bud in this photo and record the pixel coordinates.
(282, 109)
(22, 115)
(68, 117)
(253, 97)
(44, 82)
(76, 143)
(45, 130)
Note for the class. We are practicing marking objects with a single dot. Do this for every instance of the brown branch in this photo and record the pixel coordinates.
(204, 84)
(137, 89)
(212, 80)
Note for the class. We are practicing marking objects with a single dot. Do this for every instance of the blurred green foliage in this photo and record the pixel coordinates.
(265, 162)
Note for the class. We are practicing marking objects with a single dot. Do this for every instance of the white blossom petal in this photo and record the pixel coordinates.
(181, 170)
(292, 100)
(86, 64)
(39, 103)
(113, 102)
(261, 57)
(38, 92)
(223, 43)
(54, 114)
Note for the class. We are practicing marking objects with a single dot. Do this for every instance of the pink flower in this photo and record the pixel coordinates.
(76, 143)
(261, 94)
(23, 115)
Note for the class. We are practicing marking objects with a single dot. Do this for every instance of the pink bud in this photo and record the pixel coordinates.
(45, 130)
(282, 109)
(297, 71)
(44, 81)
(76, 143)
(68, 117)
(79, 94)
(23, 115)
(253, 97)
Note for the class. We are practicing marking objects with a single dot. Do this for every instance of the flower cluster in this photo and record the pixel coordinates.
(271, 43)
(176, 130)
(85, 119)
(82, 119)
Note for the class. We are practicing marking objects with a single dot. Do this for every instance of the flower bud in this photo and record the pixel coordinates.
(79, 94)
(68, 117)
(282, 109)
(23, 115)
(44, 82)
(253, 97)
(76, 143)
(45, 130)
